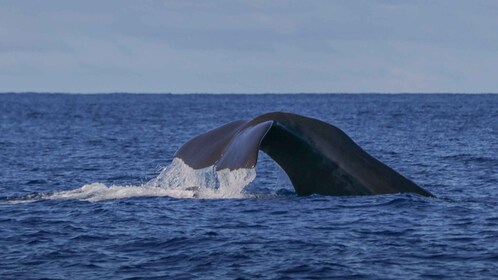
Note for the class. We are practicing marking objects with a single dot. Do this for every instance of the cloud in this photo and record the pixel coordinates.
(248, 46)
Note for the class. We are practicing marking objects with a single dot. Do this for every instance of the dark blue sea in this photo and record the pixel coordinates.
(76, 200)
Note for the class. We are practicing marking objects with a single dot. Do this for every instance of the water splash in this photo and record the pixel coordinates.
(204, 183)
(176, 180)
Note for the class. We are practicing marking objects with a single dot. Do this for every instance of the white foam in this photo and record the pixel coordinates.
(176, 180)
(204, 183)
(99, 191)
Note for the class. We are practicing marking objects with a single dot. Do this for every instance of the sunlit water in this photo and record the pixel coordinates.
(89, 188)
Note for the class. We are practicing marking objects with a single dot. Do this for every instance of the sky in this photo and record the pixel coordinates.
(249, 46)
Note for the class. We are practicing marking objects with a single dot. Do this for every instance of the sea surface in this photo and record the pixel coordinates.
(88, 191)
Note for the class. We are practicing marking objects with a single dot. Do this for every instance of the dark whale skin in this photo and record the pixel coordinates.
(318, 157)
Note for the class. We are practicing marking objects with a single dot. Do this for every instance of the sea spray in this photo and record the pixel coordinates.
(205, 182)
(176, 180)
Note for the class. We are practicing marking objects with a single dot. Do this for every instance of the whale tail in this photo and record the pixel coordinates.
(319, 158)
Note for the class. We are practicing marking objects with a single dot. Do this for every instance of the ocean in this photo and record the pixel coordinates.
(87, 191)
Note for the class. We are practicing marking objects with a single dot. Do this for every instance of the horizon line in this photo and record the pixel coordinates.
(235, 93)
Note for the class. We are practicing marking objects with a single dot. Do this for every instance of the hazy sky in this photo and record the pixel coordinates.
(249, 46)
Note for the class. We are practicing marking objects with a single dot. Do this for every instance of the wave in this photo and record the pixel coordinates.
(177, 180)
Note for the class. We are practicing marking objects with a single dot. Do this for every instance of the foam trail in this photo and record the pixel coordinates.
(176, 180)
(98, 191)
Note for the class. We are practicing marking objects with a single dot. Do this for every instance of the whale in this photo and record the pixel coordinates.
(318, 157)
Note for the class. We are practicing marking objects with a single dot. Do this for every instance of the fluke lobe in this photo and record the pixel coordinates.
(319, 158)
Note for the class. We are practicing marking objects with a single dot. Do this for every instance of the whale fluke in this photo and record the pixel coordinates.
(319, 158)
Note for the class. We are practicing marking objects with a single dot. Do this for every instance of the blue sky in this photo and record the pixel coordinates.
(249, 46)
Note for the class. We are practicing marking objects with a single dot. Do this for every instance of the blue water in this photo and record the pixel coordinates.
(50, 144)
